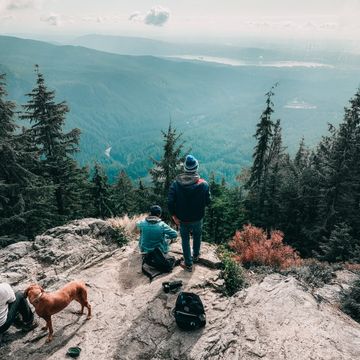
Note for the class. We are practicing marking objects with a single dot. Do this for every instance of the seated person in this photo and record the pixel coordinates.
(11, 307)
(154, 232)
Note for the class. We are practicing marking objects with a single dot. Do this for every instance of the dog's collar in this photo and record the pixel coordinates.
(36, 300)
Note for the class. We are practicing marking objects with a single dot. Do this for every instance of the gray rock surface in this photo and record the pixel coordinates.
(275, 319)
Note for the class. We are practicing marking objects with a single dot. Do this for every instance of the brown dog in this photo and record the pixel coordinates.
(47, 304)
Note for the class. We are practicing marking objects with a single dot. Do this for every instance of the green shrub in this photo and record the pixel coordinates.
(350, 301)
(313, 272)
(120, 236)
(233, 275)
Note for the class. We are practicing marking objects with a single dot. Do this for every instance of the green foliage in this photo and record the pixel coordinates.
(263, 135)
(123, 195)
(167, 168)
(340, 246)
(120, 236)
(265, 180)
(225, 213)
(233, 275)
(142, 198)
(313, 272)
(101, 193)
(25, 202)
(313, 198)
(55, 147)
(350, 302)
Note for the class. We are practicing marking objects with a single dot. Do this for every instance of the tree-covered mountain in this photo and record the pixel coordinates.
(123, 102)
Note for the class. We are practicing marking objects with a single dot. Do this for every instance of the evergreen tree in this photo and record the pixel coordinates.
(225, 214)
(301, 160)
(13, 176)
(142, 198)
(263, 135)
(339, 155)
(298, 198)
(213, 214)
(274, 175)
(264, 155)
(101, 193)
(56, 147)
(123, 197)
(25, 198)
(81, 196)
(167, 168)
(340, 246)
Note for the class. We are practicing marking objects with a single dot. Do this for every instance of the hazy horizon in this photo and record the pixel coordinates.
(186, 21)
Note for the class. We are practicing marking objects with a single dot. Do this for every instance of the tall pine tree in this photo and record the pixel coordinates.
(56, 147)
(168, 167)
(25, 204)
(263, 155)
(13, 176)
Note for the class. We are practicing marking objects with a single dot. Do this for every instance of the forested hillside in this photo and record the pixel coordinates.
(123, 102)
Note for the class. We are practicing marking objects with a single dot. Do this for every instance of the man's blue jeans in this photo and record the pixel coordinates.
(185, 230)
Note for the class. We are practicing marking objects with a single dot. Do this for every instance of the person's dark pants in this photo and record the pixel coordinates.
(185, 230)
(19, 306)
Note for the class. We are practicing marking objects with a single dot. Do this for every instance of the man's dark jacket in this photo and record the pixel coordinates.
(188, 197)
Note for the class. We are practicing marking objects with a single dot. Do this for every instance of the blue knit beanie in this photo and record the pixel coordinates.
(191, 164)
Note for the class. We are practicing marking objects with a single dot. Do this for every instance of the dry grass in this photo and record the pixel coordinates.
(128, 224)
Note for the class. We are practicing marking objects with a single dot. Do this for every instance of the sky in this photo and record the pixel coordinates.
(185, 19)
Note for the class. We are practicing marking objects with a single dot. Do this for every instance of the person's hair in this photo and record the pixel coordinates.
(155, 210)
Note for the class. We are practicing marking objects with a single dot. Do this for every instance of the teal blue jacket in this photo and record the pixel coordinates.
(154, 233)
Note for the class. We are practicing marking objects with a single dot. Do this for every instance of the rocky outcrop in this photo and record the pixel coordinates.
(277, 318)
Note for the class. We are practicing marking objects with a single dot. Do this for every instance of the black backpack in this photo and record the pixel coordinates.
(156, 263)
(189, 311)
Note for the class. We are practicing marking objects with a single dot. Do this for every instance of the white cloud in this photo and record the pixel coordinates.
(22, 4)
(156, 16)
(52, 19)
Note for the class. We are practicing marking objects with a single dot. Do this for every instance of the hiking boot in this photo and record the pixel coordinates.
(186, 267)
(29, 326)
(196, 259)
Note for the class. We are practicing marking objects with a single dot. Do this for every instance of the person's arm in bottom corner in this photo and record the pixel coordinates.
(10, 294)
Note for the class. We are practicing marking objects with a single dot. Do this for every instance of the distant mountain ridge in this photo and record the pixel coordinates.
(124, 45)
(124, 101)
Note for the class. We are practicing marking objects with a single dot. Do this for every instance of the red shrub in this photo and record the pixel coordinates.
(352, 267)
(253, 246)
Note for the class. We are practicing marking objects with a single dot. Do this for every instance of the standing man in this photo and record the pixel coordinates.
(11, 306)
(188, 197)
